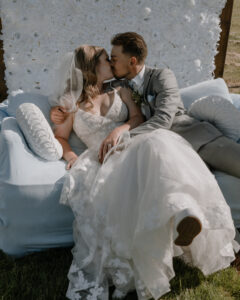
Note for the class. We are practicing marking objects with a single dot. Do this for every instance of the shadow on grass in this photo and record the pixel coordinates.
(186, 278)
(40, 276)
(43, 276)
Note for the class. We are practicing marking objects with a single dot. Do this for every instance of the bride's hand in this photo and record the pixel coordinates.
(71, 160)
(109, 142)
(58, 115)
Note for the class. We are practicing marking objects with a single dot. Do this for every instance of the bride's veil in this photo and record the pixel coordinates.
(68, 83)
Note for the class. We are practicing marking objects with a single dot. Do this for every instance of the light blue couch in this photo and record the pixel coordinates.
(31, 219)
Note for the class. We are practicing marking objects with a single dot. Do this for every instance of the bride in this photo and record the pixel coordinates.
(137, 202)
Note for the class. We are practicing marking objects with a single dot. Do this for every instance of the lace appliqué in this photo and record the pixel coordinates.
(82, 288)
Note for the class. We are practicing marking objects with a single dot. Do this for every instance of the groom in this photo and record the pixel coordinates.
(162, 106)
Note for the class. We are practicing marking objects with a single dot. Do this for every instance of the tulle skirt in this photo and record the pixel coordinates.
(125, 214)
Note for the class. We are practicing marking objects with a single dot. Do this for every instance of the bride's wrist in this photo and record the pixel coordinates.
(69, 156)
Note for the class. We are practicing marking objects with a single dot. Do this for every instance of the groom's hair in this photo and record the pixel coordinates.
(132, 43)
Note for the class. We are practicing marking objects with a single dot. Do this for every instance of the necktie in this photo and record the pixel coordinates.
(133, 86)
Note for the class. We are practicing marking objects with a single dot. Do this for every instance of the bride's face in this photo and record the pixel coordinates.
(103, 70)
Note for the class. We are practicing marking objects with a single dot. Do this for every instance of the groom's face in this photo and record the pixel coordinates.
(121, 63)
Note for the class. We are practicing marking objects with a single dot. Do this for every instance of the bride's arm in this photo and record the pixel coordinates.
(135, 114)
(62, 133)
(135, 119)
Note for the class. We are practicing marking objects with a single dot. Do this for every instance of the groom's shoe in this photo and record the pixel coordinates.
(188, 228)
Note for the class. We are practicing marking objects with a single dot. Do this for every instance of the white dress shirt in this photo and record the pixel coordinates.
(138, 81)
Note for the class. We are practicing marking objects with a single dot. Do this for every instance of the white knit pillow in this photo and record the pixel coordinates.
(38, 132)
(218, 111)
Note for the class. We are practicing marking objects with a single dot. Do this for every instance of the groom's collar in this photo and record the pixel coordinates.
(139, 78)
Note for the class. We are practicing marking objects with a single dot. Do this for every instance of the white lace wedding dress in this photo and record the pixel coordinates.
(124, 210)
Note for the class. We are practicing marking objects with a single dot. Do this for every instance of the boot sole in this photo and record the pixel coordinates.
(187, 229)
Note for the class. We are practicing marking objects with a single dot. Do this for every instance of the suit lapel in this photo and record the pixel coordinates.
(147, 76)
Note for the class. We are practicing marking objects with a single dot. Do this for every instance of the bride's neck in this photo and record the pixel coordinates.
(100, 86)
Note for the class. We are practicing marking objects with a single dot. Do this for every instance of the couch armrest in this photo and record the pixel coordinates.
(3, 111)
(19, 165)
(31, 218)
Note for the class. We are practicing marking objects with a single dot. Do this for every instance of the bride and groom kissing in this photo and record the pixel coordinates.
(140, 193)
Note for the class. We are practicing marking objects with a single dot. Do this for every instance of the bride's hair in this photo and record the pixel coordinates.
(87, 59)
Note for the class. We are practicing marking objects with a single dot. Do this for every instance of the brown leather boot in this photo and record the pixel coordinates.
(188, 229)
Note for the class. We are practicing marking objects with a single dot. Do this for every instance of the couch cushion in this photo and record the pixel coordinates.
(38, 133)
(218, 111)
(205, 88)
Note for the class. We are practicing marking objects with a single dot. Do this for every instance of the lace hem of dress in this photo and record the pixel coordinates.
(85, 284)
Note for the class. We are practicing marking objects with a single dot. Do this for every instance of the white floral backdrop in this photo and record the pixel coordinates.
(182, 35)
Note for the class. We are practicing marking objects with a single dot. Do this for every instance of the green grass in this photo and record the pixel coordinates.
(43, 276)
(39, 276)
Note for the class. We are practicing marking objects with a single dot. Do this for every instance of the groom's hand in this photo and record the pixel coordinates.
(58, 115)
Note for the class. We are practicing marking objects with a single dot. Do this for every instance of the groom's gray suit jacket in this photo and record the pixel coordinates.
(164, 109)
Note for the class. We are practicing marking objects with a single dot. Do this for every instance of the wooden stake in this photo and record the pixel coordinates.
(226, 17)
